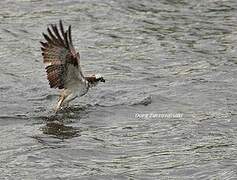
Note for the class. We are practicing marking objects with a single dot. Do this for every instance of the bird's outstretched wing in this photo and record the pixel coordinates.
(61, 59)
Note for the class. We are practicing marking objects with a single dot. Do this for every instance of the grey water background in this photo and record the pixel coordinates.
(158, 57)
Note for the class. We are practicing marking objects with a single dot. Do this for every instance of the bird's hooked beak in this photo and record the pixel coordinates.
(101, 79)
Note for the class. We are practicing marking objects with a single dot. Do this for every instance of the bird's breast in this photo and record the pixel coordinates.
(81, 88)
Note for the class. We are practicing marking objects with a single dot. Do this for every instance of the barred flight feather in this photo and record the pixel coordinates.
(58, 52)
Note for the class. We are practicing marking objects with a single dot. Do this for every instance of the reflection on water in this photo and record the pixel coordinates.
(56, 124)
(59, 130)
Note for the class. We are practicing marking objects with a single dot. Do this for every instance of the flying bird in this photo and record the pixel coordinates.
(63, 66)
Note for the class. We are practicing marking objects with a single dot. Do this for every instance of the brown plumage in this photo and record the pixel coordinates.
(63, 65)
(57, 53)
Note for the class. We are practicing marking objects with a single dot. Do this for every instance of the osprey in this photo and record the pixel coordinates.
(63, 66)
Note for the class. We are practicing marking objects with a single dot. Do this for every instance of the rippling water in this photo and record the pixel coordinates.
(159, 58)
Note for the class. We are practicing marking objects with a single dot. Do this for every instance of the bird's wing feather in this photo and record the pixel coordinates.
(61, 59)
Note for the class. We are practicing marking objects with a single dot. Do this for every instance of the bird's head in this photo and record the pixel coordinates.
(99, 78)
(94, 79)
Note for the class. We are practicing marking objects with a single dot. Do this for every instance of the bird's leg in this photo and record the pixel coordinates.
(60, 102)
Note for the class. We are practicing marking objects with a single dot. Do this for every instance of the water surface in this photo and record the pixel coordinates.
(158, 57)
